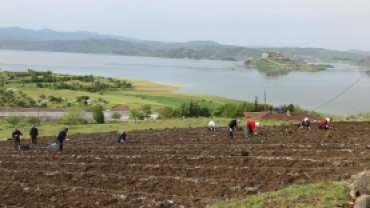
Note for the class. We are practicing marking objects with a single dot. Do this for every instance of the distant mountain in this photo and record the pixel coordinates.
(87, 42)
(120, 47)
(16, 33)
(20, 34)
(360, 52)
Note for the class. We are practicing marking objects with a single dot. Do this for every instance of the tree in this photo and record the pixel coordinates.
(13, 120)
(32, 120)
(146, 111)
(73, 117)
(136, 114)
(98, 114)
(166, 112)
(116, 115)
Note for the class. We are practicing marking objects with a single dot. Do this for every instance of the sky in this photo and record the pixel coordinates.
(332, 24)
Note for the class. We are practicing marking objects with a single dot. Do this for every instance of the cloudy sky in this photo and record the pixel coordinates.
(335, 24)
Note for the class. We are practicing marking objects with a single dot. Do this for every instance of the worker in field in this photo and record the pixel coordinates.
(305, 123)
(61, 137)
(251, 128)
(212, 126)
(231, 127)
(121, 136)
(34, 133)
(16, 135)
(325, 124)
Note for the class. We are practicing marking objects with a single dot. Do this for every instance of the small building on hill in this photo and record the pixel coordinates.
(271, 54)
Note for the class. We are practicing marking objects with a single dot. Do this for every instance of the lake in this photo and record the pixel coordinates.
(208, 77)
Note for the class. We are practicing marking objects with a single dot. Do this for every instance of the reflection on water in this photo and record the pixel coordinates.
(219, 78)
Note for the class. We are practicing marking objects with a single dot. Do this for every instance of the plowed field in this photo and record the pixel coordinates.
(177, 167)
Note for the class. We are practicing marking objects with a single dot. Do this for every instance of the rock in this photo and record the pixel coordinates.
(349, 205)
(363, 202)
(362, 183)
(53, 199)
(339, 203)
(354, 194)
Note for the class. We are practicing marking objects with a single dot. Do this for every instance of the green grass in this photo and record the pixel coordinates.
(51, 129)
(145, 92)
(320, 195)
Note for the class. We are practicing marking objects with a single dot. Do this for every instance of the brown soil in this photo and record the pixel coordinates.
(121, 107)
(177, 167)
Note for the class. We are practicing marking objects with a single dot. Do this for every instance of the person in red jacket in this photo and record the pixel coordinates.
(251, 128)
(325, 124)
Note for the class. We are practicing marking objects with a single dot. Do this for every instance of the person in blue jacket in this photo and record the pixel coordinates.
(61, 137)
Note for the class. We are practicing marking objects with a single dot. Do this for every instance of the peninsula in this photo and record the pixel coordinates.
(273, 63)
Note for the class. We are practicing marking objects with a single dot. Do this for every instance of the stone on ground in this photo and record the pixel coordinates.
(363, 202)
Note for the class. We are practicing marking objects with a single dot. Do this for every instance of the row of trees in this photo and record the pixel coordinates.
(190, 109)
(194, 109)
(94, 87)
(57, 81)
(17, 99)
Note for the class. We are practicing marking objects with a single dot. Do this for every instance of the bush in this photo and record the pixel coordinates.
(73, 117)
(98, 114)
(32, 120)
(13, 120)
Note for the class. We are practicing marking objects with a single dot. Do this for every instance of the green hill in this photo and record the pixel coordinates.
(192, 50)
(278, 65)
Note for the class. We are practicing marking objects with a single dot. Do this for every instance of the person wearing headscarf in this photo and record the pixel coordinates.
(325, 124)
(251, 128)
(212, 126)
(305, 123)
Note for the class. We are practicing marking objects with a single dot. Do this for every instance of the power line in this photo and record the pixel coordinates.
(342, 92)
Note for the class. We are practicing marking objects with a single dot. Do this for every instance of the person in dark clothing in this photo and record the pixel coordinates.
(61, 137)
(122, 136)
(231, 128)
(16, 135)
(34, 132)
(305, 123)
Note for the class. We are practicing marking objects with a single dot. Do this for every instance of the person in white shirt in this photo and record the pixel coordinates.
(212, 126)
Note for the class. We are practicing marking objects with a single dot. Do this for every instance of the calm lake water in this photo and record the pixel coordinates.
(309, 90)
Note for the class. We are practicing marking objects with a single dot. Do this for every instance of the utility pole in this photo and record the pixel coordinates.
(265, 101)
(256, 104)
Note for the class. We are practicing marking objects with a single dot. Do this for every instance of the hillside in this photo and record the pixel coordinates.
(364, 62)
(316, 54)
(112, 46)
(360, 52)
(272, 64)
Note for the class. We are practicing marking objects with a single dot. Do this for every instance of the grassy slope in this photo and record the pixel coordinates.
(146, 92)
(320, 195)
